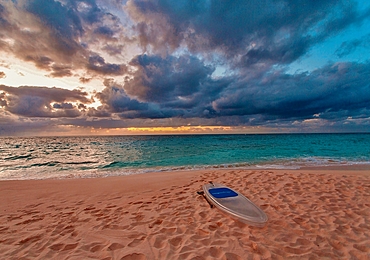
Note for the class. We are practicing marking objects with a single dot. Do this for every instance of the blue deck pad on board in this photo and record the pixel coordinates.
(220, 193)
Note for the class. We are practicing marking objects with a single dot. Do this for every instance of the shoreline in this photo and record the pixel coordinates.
(313, 213)
(131, 172)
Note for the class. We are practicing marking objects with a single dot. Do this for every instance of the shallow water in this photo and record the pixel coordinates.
(66, 157)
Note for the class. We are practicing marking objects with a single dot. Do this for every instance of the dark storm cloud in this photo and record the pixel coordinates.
(63, 20)
(3, 22)
(272, 31)
(348, 47)
(37, 101)
(13, 126)
(340, 89)
(116, 101)
(3, 18)
(335, 92)
(98, 64)
(105, 31)
(160, 79)
(172, 86)
(63, 106)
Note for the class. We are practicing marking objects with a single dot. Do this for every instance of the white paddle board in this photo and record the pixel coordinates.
(234, 204)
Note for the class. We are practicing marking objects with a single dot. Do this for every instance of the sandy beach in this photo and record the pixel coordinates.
(313, 214)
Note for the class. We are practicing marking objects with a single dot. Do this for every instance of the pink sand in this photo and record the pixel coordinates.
(313, 214)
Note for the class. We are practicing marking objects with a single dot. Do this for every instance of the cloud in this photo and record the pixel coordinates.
(259, 31)
(158, 79)
(336, 91)
(85, 80)
(41, 101)
(184, 62)
(61, 37)
(115, 99)
(98, 64)
(64, 37)
(348, 47)
(104, 31)
(61, 18)
(116, 102)
(11, 125)
(340, 88)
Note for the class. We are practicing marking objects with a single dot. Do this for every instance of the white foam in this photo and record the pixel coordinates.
(30, 174)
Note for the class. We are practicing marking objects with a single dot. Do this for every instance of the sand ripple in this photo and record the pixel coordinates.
(311, 216)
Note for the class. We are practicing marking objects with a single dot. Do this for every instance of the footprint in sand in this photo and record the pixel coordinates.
(70, 246)
(56, 247)
(216, 252)
(160, 242)
(30, 239)
(176, 241)
(202, 233)
(232, 256)
(63, 247)
(115, 246)
(134, 257)
(96, 248)
(136, 242)
(157, 222)
(93, 247)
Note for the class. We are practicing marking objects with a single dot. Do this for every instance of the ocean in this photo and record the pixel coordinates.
(23, 158)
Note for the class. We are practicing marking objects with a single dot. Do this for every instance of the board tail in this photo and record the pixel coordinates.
(202, 193)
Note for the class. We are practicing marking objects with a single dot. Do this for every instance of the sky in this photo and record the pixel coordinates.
(112, 67)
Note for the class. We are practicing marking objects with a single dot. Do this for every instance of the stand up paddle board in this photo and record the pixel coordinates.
(235, 204)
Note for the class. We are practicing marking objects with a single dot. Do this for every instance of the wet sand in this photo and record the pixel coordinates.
(321, 213)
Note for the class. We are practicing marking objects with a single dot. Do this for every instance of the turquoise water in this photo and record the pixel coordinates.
(70, 157)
